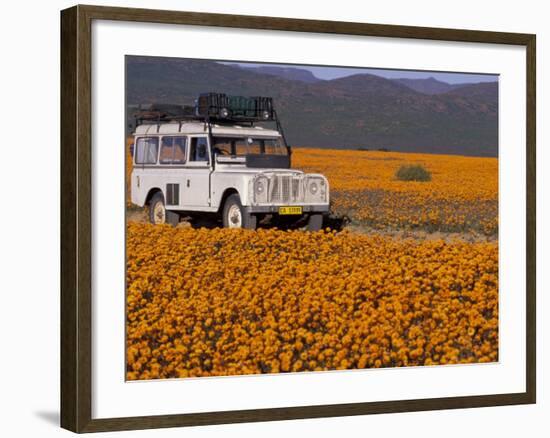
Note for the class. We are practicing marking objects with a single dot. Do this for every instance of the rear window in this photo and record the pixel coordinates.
(146, 150)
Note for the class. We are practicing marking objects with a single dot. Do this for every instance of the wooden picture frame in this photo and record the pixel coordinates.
(76, 217)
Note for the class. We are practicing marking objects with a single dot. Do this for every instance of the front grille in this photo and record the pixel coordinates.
(285, 189)
(275, 192)
(295, 188)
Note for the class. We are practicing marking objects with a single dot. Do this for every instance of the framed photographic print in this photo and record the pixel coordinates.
(267, 218)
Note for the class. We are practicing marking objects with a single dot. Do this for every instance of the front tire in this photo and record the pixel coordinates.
(315, 222)
(235, 216)
(158, 213)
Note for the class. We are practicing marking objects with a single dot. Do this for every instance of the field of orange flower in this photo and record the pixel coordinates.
(220, 302)
(462, 195)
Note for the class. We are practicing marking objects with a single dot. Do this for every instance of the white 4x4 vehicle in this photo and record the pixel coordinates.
(214, 158)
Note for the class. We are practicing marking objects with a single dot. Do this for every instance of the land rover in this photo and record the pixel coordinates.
(219, 156)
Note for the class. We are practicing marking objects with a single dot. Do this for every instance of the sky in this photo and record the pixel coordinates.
(339, 72)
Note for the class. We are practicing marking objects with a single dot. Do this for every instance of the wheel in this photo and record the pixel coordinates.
(158, 213)
(235, 216)
(315, 222)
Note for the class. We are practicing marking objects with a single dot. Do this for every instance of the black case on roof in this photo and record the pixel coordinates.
(223, 106)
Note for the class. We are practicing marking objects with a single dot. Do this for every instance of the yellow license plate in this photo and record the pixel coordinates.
(290, 210)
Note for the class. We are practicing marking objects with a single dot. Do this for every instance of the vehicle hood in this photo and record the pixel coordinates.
(254, 172)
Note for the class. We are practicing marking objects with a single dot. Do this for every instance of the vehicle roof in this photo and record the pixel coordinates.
(199, 128)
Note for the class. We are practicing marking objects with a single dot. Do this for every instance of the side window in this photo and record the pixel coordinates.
(199, 149)
(172, 150)
(180, 147)
(147, 150)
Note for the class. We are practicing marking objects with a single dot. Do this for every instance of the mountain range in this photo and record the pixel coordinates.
(291, 73)
(358, 111)
(427, 86)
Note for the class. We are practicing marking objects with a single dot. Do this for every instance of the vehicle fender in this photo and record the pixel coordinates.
(223, 182)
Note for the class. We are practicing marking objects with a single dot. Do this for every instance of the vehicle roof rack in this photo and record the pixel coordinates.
(211, 108)
(158, 113)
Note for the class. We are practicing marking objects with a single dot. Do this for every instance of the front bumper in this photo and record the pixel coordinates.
(275, 208)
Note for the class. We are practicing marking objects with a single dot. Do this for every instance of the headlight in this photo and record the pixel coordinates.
(313, 188)
(259, 187)
(316, 189)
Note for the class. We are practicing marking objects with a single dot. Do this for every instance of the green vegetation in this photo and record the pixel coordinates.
(413, 173)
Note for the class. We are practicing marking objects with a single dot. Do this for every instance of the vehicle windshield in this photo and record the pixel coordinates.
(242, 146)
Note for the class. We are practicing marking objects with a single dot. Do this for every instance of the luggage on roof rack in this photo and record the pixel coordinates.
(212, 107)
(235, 108)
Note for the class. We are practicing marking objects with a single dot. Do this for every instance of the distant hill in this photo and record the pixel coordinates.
(356, 111)
(427, 86)
(292, 73)
(482, 93)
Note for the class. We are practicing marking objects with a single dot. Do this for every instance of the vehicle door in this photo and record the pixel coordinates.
(197, 173)
(172, 160)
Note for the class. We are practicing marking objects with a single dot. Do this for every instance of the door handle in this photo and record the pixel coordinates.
(187, 183)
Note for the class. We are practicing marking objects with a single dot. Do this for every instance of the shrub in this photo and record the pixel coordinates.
(413, 173)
